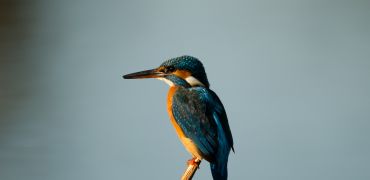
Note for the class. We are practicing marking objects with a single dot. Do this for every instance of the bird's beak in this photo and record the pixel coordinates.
(152, 73)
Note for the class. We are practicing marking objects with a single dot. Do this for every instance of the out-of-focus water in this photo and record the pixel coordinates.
(293, 76)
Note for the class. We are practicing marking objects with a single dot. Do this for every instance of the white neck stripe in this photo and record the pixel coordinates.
(194, 81)
(170, 83)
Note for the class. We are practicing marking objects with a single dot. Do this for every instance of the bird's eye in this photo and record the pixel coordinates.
(169, 69)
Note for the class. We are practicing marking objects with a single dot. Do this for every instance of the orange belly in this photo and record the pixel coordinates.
(188, 143)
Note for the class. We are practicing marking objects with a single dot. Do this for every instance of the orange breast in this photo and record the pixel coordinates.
(171, 92)
(188, 143)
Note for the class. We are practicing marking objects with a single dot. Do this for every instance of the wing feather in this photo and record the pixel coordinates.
(200, 113)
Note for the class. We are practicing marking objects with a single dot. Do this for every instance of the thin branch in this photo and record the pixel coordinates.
(193, 166)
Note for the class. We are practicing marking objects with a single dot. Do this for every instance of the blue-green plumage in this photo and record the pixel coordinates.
(196, 111)
(202, 117)
(190, 64)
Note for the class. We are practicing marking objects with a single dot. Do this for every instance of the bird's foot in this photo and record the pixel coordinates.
(194, 162)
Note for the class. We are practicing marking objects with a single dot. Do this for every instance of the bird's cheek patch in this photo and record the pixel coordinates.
(182, 73)
(186, 75)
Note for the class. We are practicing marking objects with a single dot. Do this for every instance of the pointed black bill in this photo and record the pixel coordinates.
(152, 73)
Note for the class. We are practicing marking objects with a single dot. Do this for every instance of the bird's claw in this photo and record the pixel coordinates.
(193, 162)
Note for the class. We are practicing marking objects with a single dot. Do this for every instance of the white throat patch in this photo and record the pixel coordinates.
(194, 81)
(166, 81)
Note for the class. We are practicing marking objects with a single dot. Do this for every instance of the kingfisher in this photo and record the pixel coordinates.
(195, 111)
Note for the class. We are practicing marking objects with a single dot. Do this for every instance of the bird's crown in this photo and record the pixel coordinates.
(187, 67)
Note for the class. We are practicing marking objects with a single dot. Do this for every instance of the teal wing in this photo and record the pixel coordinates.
(202, 117)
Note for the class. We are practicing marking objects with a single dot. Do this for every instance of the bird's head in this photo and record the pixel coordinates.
(183, 71)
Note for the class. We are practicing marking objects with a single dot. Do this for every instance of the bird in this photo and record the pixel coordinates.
(195, 111)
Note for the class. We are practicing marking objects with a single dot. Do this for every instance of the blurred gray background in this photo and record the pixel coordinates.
(294, 76)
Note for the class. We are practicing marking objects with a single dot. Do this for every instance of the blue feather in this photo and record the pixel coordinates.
(202, 117)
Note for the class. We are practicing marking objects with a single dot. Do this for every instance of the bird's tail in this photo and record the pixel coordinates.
(219, 170)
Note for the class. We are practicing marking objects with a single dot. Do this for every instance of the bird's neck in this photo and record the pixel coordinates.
(190, 81)
(173, 80)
